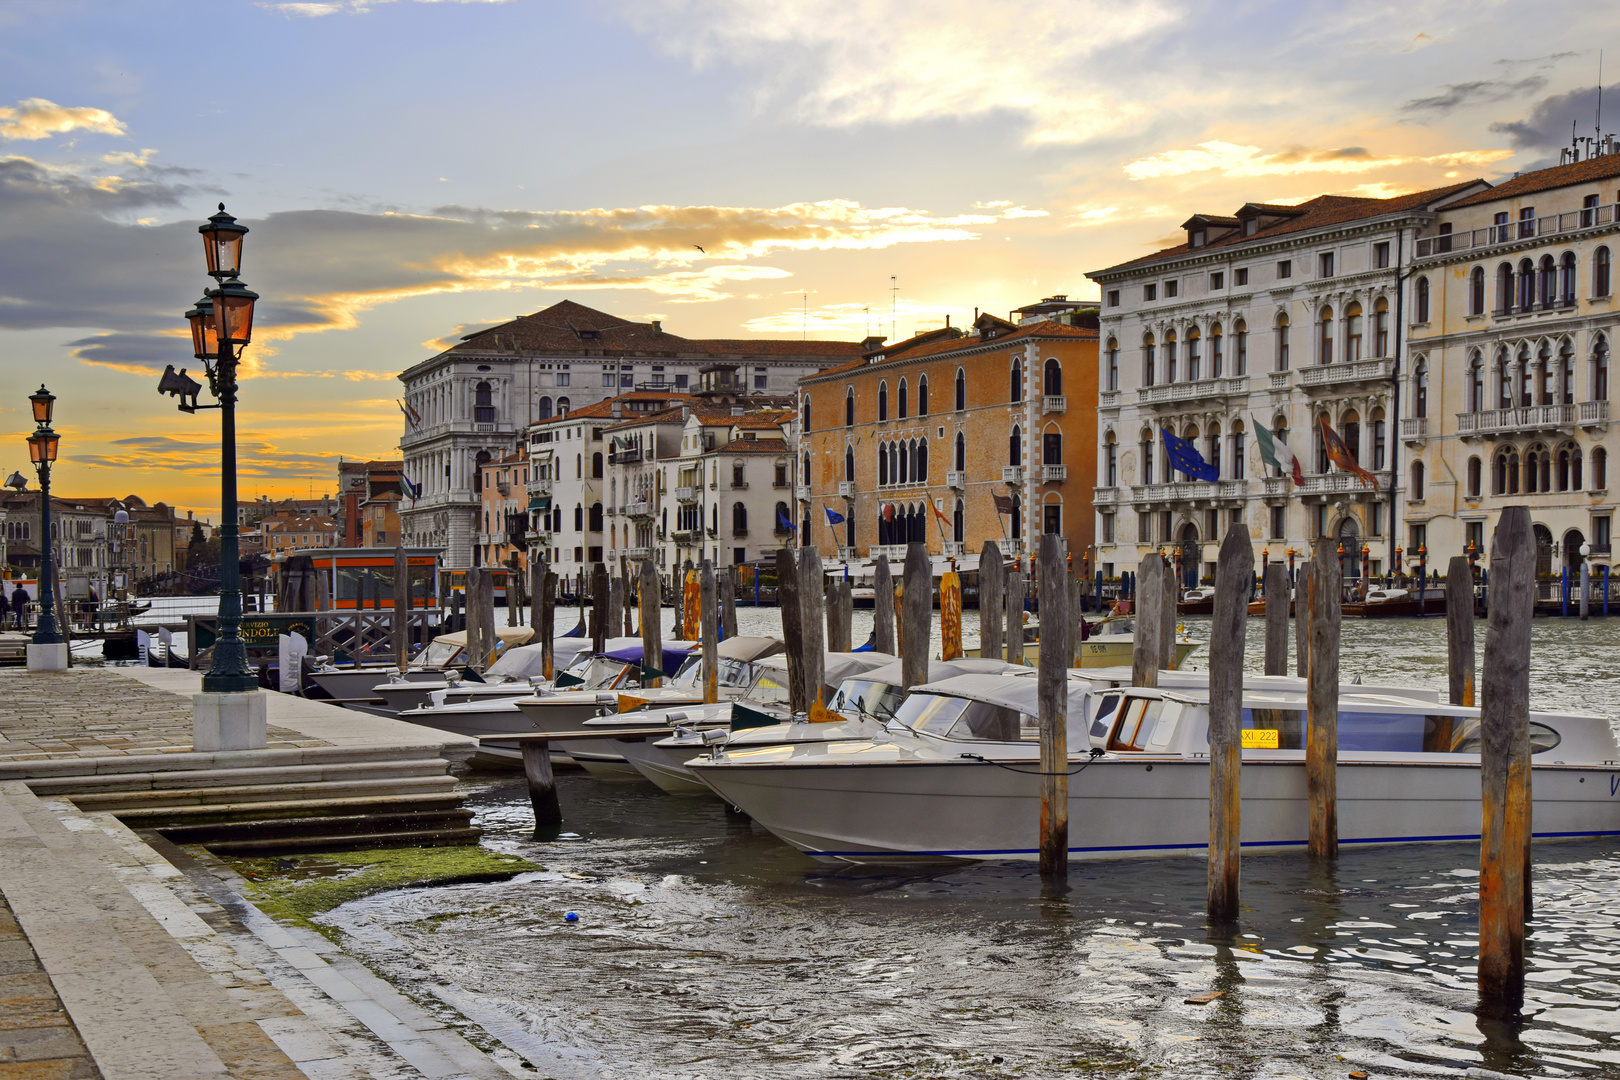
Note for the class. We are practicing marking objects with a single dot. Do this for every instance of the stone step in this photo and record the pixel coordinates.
(111, 764)
(237, 778)
(160, 817)
(355, 825)
(320, 790)
(427, 838)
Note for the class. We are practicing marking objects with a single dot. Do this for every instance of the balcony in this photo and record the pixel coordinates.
(1056, 404)
(625, 456)
(638, 554)
(1574, 221)
(739, 485)
(1522, 419)
(1054, 474)
(802, 490)
(1279, 380)
(1108, 399)
(1592, 413)
(686, 493)
(1341, 483)
(643, 508)
(955, 479)
(1104, 496)
(504, 487)
(740, 534)
(1180, 393)
(847, 554)
(1332, 376)
(1275, 485)
(683, 536)
(1414, 429)
(540, 485)
(955, 549)
(1008, 548)
(846, 489)
(1012, 474)
(896, 553)
(537, 539)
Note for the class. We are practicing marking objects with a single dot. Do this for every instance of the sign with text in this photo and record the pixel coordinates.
(1261, 738)
(260, 631)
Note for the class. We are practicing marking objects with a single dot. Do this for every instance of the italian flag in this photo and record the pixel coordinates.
(1275, 452)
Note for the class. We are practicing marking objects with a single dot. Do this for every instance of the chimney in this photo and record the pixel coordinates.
(658, 326)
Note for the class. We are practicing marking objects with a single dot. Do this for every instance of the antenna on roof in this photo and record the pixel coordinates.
(804, 332)
(894, 308)
(1598, 130)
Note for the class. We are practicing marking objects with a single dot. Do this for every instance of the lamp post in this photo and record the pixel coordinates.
(48, 651)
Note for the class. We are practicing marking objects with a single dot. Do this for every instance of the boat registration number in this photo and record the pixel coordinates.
(1261, 738)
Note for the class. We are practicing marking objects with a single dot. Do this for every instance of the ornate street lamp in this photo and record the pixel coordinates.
(221, 325)
(42, 445)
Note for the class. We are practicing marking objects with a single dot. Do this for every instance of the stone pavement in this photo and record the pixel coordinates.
(36, 1037)
(89, 711)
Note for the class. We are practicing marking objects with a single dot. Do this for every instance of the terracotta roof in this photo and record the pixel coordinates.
(1045, 329)
(604, 408)
(1580, 172)
(752, 446)
(1315, 213)
(573, 329)
(764, 418)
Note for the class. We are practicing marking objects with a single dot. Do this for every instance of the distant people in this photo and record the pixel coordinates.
(19, 604)
(5, 607)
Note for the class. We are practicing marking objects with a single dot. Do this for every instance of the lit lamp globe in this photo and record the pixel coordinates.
(42, 447)
(233, 307)
(222, 245)
(1586, 549)
(44, 403)
(204, 336)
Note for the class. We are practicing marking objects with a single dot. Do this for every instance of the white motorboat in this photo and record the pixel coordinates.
(737, 667)
(447, 652)
(513, 675)
(956, 775)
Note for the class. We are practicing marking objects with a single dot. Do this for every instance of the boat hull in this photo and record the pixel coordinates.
(929, 810)
(1434, 603)
(665, 766)
(492, 722)
(354, 684)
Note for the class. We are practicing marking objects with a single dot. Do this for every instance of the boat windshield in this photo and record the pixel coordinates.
(437, 654)
(1411, 733)
(687, 675)
(958, 718)
(740, 673)
(876, 699)
(516, 664)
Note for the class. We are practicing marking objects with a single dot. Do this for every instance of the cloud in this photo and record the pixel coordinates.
(840, 63)
(36, 118)
(1478, 92)
(315, 9)
(842, 320)
(257, 457)
(1233, 161)
(1550, 123)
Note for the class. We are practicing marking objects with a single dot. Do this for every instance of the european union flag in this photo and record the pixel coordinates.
(782, 518)
(1184, 457)
(834, 517)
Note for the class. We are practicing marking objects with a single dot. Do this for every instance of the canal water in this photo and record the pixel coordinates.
(703, 947)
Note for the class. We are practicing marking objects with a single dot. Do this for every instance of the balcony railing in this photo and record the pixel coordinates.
(1108, 399)
(802, 490)
(1185, 491)
(1008, 547)
(957, 549)
(1573, 221)
(1414, 429)
(504, 487)
(846, 489)
(1592, 413)
(1054, 403)
(1276, 485)
(956, 479)
(1012, 474)
(642, 508)
(1104, 496)
(895, 552)
(1278, 380)
(1522, 418)
(540, 485)
(1322, 375)
(686, 494)
(847, 554)
(625, 455)
(739, 533)
(1054, 474)
(1176, 393)
(1333, 483)
(638, 554)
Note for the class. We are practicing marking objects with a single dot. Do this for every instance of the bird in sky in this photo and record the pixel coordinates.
(700, 248)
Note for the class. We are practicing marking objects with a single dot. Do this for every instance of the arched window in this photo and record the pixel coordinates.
(562, 406)
(1111, 365)
(883, 401)
(1547, 281)
(1052, 377)
(1148, 362)
(1473, 473)
(1146, 443)
(1537, 469)
(804, 415)
(1523, 374)
(1544, 375)
(905, 462)
(922, 395)
(596, 517)
(1600, 468)
(883, 464)
(1170, 357)
(1380, 437)
(804, 470)
(1324, 335)
(1217, 358)
(919, 462)
(1416, 490)
(849, 463)
(1504, 289)
(1566, 372)
(1350, 432)
(1052, 446)
(739, 519)
(961, 452)
(1017, 517)
(1421, 304)
(1015, 447)
(1420, 388)
(1213, 454)
(1240, 468)
(1504, 380)
(1526, 298)
(1474, 383)
(1352, 333)
(902, 402)
(1282, 341)
(1015, 384)
(1600, 376)
(959, 522)
(1476, 291)
(849, 406)
(1563, 466)
(1110, 461)
(1566, 280)
(483, 404)
(579, 466)
(1600, 272)
(1195, 357)
(543, 410)
(596, 465)
(961, 390)
(1240, 348)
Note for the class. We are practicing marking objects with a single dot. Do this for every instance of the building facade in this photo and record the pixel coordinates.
(949, 421)
(473, 402)
(284, 533)
(504, 519)
(1278, 316)
(1507, 396)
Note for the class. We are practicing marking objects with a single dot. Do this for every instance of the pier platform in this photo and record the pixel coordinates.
(124, 956)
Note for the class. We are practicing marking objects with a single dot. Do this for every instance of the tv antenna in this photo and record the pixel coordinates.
(894, 308)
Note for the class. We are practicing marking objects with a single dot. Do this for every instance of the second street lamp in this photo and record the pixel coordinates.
(48, 651)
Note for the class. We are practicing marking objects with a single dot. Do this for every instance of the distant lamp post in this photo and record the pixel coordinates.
(221, 326)
(48, 651)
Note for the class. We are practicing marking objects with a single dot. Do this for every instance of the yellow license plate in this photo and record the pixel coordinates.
(1260, 738)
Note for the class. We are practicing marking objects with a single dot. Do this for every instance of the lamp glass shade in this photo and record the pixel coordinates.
(44, 403)
(234, 301)
(42, 446)
(222, 244)
(204, 340)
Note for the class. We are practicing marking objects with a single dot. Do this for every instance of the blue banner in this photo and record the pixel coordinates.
(1184, 457)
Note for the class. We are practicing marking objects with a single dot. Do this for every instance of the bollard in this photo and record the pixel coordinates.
(1227, 633)
(691, 630)
(402, 608)
(1586, 588)
(1168, 593)
(1563, 591)
(1460, 630)
(1145, 644)
(600, 618)
(542, 784)
(709, 628)
(1605, 592)
(1302, 622)
(950, 615)
(1053, 697)
(882, 607)
(1504, 856)
(1322, 704)
(548, 622)
(787, 600)
(1014, 587)
(652, 648)
(915, 612)
(1277, 605)
(992, 584)
(812, 615)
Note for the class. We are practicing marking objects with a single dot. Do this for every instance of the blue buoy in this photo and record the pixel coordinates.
(572, 916)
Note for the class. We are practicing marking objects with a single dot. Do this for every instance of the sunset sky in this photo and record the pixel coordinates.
(413, 170)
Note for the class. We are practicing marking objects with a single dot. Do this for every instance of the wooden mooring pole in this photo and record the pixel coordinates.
(1276, 594)
(1322, 704)
(813, 617)
(992, 581)
(542, 784)
(1228, 629)
(1168, 594)
(547, 628)
(728, 602)
(787, 599)
(1053, 697)
(614, 617)
(1302, 621)
(1504, 855)
(1460, 630)
(652, 646)
(709, 628)
(882, 607)
(1015, 586)
(599, 608)
(840, 616)
(950, 615)
(402, 608)
(1149, 611)
(537, 582)
(916, 612)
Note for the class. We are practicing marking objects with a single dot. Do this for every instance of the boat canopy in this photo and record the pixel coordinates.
(525, 661)
(835, 666)
(996, 708)
(749, 648)
(674, 654)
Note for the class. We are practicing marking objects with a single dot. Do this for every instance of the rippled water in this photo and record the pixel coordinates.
(706, 948)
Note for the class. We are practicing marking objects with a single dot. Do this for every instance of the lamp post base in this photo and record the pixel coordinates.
(229, 721)
(52, 657)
